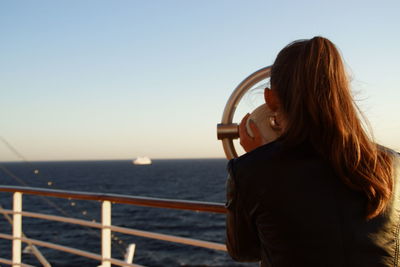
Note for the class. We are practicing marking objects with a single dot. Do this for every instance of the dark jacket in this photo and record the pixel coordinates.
(288, 208)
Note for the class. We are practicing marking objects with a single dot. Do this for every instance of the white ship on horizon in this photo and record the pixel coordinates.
(142, 161)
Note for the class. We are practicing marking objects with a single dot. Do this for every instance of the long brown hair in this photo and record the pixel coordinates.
(311, 84)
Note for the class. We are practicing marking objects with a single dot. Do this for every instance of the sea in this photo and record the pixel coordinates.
(183, 179)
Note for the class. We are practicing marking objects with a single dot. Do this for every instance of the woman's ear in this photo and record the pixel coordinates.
(274, 123)
(271, 99)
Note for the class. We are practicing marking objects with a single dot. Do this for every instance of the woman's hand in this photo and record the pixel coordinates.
(246, 141)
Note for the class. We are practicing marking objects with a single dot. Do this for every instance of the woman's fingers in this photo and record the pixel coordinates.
(246, 141)
(255, 130)
(242, 127)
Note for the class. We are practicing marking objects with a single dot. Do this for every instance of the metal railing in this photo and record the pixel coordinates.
(105, 226)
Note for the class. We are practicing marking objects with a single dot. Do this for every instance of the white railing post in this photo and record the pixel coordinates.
(17, 229)
(130, 252)
(106, 233)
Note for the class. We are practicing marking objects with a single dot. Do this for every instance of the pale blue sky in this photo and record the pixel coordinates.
(119, 79)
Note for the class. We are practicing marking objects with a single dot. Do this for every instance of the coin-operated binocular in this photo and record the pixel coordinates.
(227, 130)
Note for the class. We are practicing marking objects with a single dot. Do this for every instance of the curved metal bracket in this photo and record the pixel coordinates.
(227, 130)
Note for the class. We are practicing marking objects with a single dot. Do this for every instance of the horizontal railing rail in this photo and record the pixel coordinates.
(8, 262)
(123, 230)
(122, 199)
(105, 225)
(75, 251)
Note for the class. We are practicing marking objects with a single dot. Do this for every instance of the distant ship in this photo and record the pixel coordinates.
(142, 161)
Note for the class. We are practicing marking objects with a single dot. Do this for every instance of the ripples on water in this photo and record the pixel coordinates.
(202, 180)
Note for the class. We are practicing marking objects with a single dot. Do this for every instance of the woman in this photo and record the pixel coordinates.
(323, 193)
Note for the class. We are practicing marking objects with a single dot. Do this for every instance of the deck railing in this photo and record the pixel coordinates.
(105, 226)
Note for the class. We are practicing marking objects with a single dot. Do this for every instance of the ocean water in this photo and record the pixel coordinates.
(199, 179)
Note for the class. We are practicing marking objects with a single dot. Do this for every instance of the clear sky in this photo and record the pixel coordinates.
(118, 79)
